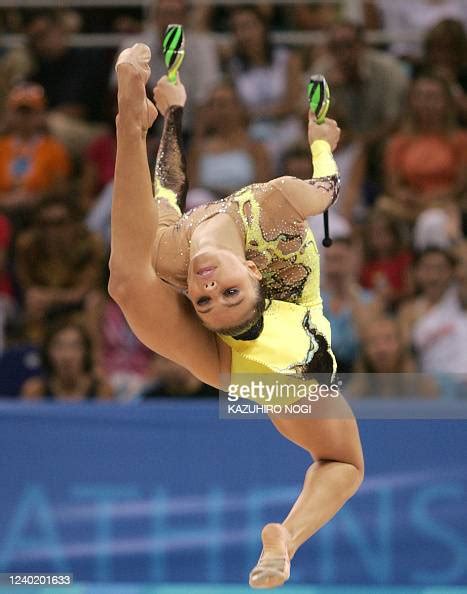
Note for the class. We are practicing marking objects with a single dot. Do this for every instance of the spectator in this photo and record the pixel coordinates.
(461, 276)
(440, 227)
(297, 161)
(351, 158)
(126, 24)
(433, 322)
(6, 284)
(369, 84)
(99, 214)
(5, 314)
(322, 15)
(386, 369)
(386, 258)
(425, 162)
(59, 264)
(122, 357)
(318, 16)
(69, 373)
(98, 168)
(383, 350)
(445, 54)
(223, 157)
(267, 80)
(19, 359)
(74, 79)
(7, 297)
(408, 22)
(32, 162)
(14, 68)
(347, 305)
(200, 70)
(98, 164)
(172, 380)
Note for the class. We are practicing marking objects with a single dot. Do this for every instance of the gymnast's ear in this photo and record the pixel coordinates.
(254, 270)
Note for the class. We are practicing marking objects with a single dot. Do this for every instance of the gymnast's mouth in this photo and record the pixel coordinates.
(206, 271)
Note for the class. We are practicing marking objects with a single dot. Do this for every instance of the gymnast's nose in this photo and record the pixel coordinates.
(210, 286)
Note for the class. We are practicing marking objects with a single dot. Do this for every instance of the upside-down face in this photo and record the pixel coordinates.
(223, 288)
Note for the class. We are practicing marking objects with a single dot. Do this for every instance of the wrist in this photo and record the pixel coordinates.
(319, 146)
(323, 161)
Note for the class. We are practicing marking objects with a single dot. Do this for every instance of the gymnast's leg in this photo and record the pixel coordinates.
(158, 316)
(134, 212)
(330, 481)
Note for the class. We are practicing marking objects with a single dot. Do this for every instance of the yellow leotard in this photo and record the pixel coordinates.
(296, 336)
(288, 342)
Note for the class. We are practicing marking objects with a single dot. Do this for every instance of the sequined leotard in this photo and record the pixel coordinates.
(278, 239)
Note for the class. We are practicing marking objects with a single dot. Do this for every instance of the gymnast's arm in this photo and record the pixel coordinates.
(314, 196)
(170, 173)
(155, 312)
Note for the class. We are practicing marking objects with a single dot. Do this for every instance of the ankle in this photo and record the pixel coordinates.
(129, 127)
(276, 536)
(128, 77)
(290, 543)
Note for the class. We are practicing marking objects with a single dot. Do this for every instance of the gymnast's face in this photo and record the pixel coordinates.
(222, 288)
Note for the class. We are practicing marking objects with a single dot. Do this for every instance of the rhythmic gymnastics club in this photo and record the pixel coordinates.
(173, 48)
(319, 98)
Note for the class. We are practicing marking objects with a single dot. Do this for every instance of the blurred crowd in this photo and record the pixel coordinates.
(394, 282)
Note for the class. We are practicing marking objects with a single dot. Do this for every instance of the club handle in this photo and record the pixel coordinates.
(319, 99)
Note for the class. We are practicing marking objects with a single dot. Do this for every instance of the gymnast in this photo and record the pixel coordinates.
(250, 268)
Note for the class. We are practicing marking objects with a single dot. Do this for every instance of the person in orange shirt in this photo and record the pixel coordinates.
(32, 162)
(426, 159)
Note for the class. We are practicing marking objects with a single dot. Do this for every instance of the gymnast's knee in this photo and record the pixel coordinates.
(357, 474)
(350, 478)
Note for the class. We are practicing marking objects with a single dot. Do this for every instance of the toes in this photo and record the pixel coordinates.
(273, 568)
(270, 572)
(139, 56)
(266, 578)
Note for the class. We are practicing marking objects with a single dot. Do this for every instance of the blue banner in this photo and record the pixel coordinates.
(168, 493)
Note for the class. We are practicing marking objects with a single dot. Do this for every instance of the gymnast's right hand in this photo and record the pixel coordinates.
(167, 94)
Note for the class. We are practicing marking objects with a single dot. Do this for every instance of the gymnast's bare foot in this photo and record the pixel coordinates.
(273, 567)
(133, 73)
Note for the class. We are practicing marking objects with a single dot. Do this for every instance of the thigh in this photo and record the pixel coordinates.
(165, 322)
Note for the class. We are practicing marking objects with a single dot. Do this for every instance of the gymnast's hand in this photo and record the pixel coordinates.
(328, 131)
(167, 94)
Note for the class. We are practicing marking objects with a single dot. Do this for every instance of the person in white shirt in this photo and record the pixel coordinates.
(411, 20)
(435, 323)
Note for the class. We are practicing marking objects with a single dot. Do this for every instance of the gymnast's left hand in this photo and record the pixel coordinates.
(328, 131)
(167, 94)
